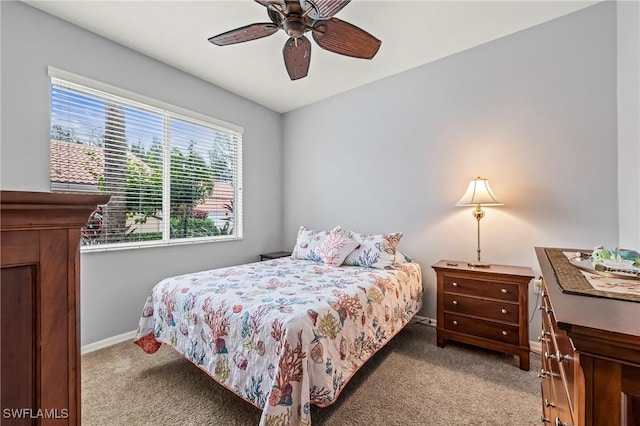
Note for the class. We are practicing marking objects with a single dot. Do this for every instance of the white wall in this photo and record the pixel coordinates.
(629, 122)
(116, 284)
(534, 112)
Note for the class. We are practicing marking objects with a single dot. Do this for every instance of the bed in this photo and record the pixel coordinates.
(281, 334)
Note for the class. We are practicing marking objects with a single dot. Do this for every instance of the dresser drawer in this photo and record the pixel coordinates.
(560, 346)
(546, 334)
(566, 358)
(560, 366)
(548, 406)
(489, 309)
(488, 329)
(481, 288)
(558, 384)
(561, 340)
(546, 367)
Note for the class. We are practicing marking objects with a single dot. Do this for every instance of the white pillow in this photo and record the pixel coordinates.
(334, 249)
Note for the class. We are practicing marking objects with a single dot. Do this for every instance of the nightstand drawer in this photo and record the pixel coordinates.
(489, 309)
(488, 329)
(480, 288)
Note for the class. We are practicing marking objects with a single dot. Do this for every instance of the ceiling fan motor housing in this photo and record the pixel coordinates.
(294, 26)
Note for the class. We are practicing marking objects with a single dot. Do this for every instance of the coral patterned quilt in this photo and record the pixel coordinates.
(281, 334)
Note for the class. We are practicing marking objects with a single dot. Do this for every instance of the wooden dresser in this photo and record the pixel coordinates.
(486, 307)
(590, 356)
(39, 305)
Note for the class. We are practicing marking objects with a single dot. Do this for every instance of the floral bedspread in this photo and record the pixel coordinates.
(282, 334)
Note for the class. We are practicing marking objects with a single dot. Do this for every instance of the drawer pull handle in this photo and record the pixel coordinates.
(503, 310)
(504, 291)
(455, 302)
(455, 284)
(544, 336)
(455, 323)
(546, 309)
(543, 419)
(548, 403)
(543, 374)
(559, 422)
(561, 357)
(504, 332)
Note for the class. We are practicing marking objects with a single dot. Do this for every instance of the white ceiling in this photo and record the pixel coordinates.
(412, 33)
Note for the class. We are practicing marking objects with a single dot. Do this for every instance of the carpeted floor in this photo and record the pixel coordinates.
(409, 382)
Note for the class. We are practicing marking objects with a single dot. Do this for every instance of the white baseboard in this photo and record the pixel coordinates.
(535, 347)
(108, 342)
(424, 320)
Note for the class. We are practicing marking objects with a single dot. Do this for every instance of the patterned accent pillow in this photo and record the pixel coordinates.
(375, 251)
(334, 249)
(307, 243)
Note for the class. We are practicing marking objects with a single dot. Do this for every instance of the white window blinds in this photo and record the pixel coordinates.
(172, 175)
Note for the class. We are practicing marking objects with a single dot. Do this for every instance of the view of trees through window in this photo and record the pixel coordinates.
(155, 164)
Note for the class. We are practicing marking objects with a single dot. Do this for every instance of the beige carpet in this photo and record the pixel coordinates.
(409, 382)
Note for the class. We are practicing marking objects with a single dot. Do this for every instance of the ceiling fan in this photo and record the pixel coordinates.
(297, 17)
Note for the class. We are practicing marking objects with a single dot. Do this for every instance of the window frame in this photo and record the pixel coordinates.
(169, 112)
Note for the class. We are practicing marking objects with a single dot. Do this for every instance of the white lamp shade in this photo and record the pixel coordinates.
(479, 193)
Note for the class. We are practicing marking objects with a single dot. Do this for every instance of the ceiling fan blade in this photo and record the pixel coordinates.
(346, 39)
(297, 56)
(323, 9)
(246, 33)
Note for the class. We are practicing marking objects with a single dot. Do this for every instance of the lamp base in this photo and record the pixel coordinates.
(479, 264)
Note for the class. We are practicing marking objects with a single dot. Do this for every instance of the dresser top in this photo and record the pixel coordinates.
(463, 266)
(618, 316)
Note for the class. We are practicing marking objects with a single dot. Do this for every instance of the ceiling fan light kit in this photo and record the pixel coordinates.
(296, 18)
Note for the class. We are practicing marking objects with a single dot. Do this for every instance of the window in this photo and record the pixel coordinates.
(174, 176)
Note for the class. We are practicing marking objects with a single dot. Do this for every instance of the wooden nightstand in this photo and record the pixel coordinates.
(274, 255)
(486, 307)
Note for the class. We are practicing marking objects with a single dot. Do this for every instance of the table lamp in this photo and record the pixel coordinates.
(479, 194)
